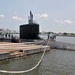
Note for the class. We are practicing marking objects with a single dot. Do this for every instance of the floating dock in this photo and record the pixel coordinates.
(13, 50)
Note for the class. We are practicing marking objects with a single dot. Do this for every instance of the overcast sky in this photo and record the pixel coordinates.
(52, 15)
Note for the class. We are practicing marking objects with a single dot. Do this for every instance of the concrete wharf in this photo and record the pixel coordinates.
(13, 50)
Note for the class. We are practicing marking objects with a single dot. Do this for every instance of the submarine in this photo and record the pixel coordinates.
(30, 30)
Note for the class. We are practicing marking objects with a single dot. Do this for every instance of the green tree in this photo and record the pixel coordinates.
(65, 33)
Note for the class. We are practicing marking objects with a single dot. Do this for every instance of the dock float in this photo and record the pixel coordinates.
(13, 50)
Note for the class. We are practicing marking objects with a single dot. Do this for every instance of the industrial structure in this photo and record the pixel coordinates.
(6, 33)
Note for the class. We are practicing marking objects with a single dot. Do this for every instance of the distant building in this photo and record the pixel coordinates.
(6, 33)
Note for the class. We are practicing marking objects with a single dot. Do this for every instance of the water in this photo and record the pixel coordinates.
(61, 38)
(43, 36)
(55, 62)
(66, 39)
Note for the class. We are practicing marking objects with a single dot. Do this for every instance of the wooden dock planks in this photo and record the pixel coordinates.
(8, 47)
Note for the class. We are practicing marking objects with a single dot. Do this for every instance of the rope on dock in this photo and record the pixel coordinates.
(4, 71)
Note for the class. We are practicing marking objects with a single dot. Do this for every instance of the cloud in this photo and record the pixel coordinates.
(64, 22)
(42, 16)
(68, 22)
(15, 12)
(16, 18)
(2, 16)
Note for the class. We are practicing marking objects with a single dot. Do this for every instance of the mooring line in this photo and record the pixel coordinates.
(5, 71)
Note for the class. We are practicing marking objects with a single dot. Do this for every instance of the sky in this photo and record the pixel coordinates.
(52, 15)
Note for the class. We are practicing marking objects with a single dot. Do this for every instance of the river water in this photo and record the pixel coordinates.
(55, 62)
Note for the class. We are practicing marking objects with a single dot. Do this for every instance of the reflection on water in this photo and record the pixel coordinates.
(55, 62)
